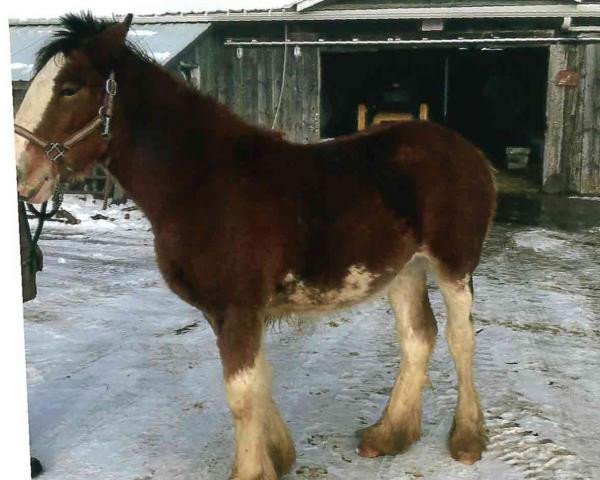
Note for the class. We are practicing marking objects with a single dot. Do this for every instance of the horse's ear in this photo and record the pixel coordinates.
(127, 20)
(108, 45)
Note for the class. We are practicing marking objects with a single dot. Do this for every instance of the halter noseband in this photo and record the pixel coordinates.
(55, 151)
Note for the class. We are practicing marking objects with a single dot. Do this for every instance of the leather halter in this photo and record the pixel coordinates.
(55, 151)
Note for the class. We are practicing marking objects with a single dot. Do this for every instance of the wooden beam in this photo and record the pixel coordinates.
(553, 179)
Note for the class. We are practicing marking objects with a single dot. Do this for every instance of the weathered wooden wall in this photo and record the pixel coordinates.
(249, 82)
(572, 151)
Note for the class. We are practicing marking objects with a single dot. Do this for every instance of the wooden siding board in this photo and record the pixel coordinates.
(590, 174)
(289, 93)
(572, 151)
(292, 101)
(237, 90)
(276, 56)
(305, 60)
(262, 91)
(552, 176)
(313, 66)
(572, 126)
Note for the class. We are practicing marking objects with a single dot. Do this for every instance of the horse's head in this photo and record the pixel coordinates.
(61, 107)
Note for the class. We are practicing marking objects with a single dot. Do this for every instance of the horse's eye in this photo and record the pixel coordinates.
(69, 91)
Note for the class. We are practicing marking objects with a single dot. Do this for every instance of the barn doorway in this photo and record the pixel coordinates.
(495, 97)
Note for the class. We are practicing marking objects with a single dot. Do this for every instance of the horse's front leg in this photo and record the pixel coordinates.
(264, 448)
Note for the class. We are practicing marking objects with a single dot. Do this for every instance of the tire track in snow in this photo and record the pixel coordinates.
(535, 457)
(538, 458)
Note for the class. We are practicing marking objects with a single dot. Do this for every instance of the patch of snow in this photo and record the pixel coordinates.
(539, 241)
(593, 199)
(116, 393)
(84, 207)
(141, 33)
(161, 56)
(18, 66)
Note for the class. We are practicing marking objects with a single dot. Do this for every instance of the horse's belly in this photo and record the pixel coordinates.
(296, 295)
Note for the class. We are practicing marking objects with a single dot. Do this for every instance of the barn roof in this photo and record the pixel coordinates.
(339, 10)
(357, 4)
(163, 41)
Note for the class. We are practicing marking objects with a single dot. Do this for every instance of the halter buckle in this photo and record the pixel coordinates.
(55, 151)
(106, 124)
(111, 86)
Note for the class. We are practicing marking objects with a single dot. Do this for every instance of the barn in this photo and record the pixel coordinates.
(519, 78)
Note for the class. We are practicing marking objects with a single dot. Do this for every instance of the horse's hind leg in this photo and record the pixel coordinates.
(264, 449)
(467, 437)
(400, 424)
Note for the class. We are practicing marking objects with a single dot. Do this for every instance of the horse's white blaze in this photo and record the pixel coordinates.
(34, 105)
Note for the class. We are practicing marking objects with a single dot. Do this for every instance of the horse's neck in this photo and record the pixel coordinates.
(164, 135)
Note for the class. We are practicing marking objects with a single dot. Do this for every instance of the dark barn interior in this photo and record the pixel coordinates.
(495, 97)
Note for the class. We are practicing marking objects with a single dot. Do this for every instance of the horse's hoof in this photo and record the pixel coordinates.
(466, 446)
(378, 440)
(366, 451)
(36, 467)
(467, 458)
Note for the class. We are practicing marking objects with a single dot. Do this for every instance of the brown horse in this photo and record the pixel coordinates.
(249, 227)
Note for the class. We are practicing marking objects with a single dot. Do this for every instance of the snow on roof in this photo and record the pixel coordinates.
(282, 11)
(49, 12)
(161, 40)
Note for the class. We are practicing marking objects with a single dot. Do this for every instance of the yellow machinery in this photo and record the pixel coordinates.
(385, 117)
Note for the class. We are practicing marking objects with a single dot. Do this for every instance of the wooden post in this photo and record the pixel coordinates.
(107, 190)
(590, 161)
(119, 195)
(572, 148)
(362, 117)
(553, 179)
(424, 111)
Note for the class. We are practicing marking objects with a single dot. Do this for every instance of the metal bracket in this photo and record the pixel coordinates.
(55, 152)
(106, 124)
(106, 121)
(111, 86)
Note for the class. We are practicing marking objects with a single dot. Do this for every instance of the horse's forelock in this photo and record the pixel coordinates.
(78, 31)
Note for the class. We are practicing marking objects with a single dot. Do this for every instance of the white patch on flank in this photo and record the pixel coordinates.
(355, 287)
(34, 104)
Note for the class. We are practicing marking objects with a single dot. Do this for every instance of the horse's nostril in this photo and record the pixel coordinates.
(46, 178)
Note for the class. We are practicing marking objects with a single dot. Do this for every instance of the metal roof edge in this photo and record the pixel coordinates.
(304, 4)
(406, 13)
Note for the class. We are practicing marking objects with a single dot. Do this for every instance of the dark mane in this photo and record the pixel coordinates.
(76, 31)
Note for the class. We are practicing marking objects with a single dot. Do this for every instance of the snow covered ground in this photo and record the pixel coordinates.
(125, 379)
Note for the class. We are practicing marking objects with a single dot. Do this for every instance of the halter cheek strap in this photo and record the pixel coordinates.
(55, 151)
